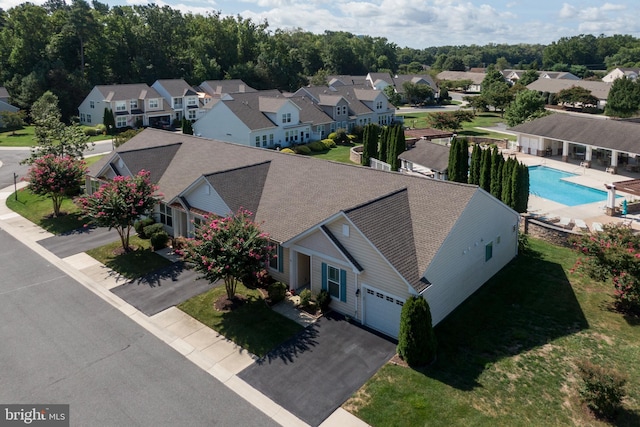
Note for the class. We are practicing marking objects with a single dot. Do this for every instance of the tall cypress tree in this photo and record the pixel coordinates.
(520, 189)
(474, 167)
(507, 170)
(391, 148)
(384, 144)
(399, 146)
(452, 168)
(463, 161)
(370, 143)
(485, 170)
(497, 160)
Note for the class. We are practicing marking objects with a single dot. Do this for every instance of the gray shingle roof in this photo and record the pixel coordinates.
(611, 134)
(428, 154)
(310, 112)
(177, 87)
(409, 217)
(125, 92)
(598, 89)
(476, 78)
(221, 87)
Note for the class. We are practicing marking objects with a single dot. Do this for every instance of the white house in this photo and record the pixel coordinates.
(183, 99)
(619, 72)
(4, 103)
(132, 105)
(370, 238)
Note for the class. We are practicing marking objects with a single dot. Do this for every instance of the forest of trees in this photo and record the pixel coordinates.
(69, 48)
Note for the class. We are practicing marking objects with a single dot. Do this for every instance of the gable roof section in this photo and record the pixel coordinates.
(598, 89)
(588, 131)
(241, 187)
(310, 112)
(246, 107)
(476, 78)
(341, 248)
(155, 160)
(177, 87)
(221, 87)
(387, 216)
(124, 92)
(428, 154)
(300, 193)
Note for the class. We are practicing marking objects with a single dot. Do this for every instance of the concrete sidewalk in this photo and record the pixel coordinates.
(212, 352)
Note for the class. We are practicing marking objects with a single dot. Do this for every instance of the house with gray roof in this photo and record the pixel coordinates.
(379, 81)
(220, 88)
(370, 238)
(427, 159)
(4, 103)
(264, 119)
(132, 105)
(619, 72)
(598, 89)
(475, 78)
(183, 99)
(606, 142)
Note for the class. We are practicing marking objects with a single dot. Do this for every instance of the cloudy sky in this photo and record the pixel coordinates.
(424, 23)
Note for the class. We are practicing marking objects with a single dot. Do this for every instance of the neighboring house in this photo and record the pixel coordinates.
(561, 75)
(4, 103)
(183, 99)
(616, 73)
(379, 81)
(598, 89)
(586, 139)
(476, 78)
(426, 159)
(345, 80)
(264, 119)
(372, 239)
(132, 105)
(220, 88)
(351, 106)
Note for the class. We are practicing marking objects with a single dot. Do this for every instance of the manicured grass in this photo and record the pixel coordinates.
(253, 326)
(419, 120)
(38, 209)
(132, 264)
(25, 137)
(339, 154)
(507, 356)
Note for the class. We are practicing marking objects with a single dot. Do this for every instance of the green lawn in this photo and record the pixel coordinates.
(419, 120)
(25, 138)
(507, 356)
(131, 265)
(253, 326)
(339, 154)
(38, 209)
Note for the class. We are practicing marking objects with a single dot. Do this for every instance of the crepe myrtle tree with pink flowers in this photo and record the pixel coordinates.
(56, 177)
(120, 202)
(230, 249)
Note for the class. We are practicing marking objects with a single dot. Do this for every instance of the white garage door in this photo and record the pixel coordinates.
(382, 311)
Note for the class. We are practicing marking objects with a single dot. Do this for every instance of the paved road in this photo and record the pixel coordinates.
(318, 370)
(63, 344)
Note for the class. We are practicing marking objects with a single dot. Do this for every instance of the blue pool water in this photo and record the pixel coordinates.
(548, 183)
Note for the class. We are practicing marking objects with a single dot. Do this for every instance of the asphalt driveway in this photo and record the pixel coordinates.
(162, 289)
(314, 373)
(80, 240)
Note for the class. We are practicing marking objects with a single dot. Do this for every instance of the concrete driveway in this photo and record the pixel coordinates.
(318, 370)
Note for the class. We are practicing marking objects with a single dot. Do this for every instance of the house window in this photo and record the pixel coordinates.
(286, 136)
(121, 121)
(121, 106)
(192, 102)
(82, 118)
(153, 103)
(276, 262)
(333, 281)
(488, 251)
(92, 104)
(88, 118)
(257, 141)
(166, 216)
(286, 118)
(177, 102)
(264, 140)
(379, 105)
(191, 115)
(271, 139)
(344, 109)
(133, 104)
(95, 185)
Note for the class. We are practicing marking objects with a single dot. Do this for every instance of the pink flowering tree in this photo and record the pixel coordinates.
(56, 177)
(613, 254)
(230, 249)
(120, 202)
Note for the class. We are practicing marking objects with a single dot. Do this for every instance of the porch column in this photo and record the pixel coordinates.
(565, 151)
(587, 156)
(614, 162)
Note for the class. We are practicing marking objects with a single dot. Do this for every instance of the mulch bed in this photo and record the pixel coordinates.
(225, 304)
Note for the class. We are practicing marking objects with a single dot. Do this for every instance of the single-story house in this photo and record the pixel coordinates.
(609, 143)
(475, 78)
(598, 89)
(370, 238)
(619, 72)
(427, 159)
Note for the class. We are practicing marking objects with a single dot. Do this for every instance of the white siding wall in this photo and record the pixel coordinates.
(284, 275)
(97, 113)
(459, 268)
(348, 307)
(220, 123)
(204, 197)
(529, 144)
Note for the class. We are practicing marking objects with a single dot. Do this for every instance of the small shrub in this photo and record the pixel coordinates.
(152, 229)
(141, 224)
(302, 149)
(332, 136)
(90, 131)
(324, 300)
(101, 128)
(329, 143)
(159, 240)
(316, 146)
(602, 389)
(277, 292)
(416, 340)
(305, 298)
(288, 151)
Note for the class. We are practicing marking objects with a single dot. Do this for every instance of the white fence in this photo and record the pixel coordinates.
(380, 165)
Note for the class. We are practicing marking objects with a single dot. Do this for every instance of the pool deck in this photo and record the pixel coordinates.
(594, 177)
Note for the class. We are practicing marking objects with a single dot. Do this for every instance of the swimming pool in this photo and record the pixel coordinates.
(548, 183)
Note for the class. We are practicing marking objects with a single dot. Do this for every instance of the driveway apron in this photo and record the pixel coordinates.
(318, 370)
(80, 240)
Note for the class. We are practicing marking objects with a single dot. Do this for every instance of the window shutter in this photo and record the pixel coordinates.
(280, 260)
(343, 285)
(324, 277)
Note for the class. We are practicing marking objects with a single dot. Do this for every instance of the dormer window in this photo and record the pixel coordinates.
(286, 118)
(121, 106)
(153, 103)
(134, 104)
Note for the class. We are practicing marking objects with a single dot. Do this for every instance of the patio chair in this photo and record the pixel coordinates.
(581, 225)
(565, 222)
(597, 226)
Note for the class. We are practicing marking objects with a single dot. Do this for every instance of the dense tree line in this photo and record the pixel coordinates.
(69, 48)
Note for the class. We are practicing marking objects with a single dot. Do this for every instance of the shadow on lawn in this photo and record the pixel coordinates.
(527, 304)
